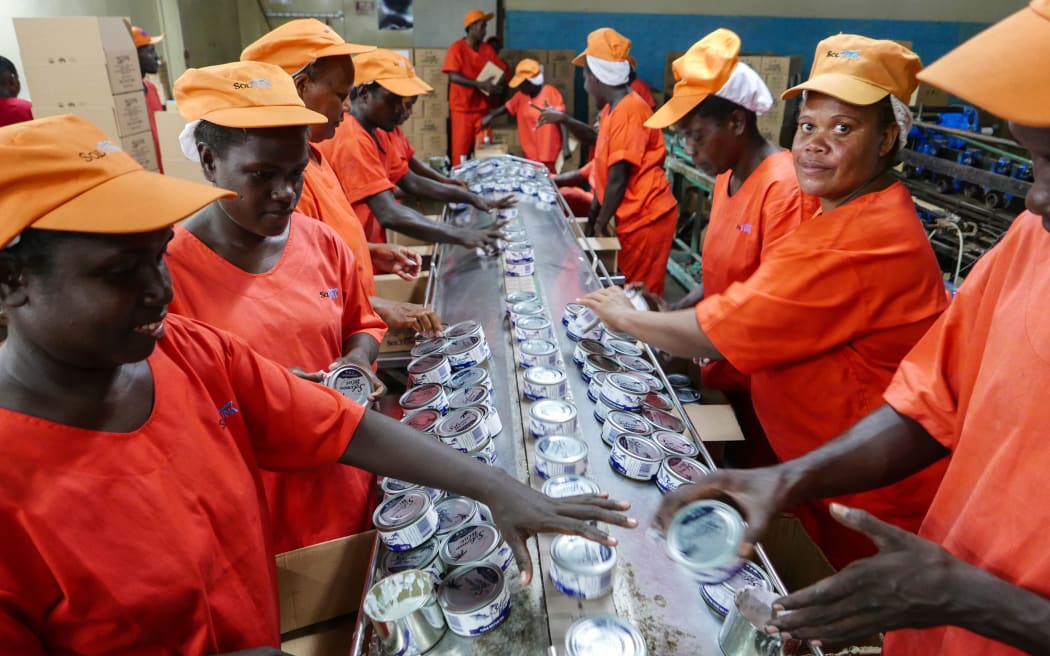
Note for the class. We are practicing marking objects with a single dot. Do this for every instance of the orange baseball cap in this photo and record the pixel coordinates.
(701, 71)
(475, 15)
(71, 176)
(141, 37)
(299, 43)
(608, 44)
(242, 95)
(392, 71)
(1001, 69)
(525, 69)
(861, 71)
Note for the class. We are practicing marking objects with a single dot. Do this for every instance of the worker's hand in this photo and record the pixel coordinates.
(612, 306)
(549, 115)
(483, 237)
(390, 258)
(501, 203)
(362, 362)
(652, 300)
(420, 318)
(314, 376)
(486, 120)
(488, 87)
(759, 494)
(601, 228)
(910, 583)
(519, 511)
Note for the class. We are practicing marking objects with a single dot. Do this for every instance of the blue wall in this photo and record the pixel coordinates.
(654, 35)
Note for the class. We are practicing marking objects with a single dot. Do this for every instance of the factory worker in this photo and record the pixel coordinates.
(132, 508)
(321, 64)
(149, 64)
(383, 79)
(756, 198)
(630, 183)
(282, 282)
(468, 96)
(976, 579)
(540, 143)
(835, 305)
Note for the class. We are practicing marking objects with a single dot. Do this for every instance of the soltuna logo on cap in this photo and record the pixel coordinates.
(845, 54)
(253, 84)
(99, 151)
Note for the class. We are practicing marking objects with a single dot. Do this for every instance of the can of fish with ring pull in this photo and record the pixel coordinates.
(557, 455)
(405, 521)
(351, 381)
(537, 353)
(474, 599)
(545, 383)
(421, 397)
(552, 417)
(432, 368)
(635, 457)
(535, 327)
(463, 429)
(468, 351)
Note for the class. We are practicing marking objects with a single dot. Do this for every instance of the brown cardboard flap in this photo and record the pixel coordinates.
(322, 581)
(797, 559)
(332, 638)
(715, 423)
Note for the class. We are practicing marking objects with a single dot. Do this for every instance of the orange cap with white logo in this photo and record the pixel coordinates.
(141, 37)
(1002, 69)
(71, 176)
(608, 44)
(861, 71)
(245, 94)
(392, 71)
(299, 43)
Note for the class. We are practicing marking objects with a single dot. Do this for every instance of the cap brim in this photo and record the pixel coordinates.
(516, 81)
(343, 49)
(975, 71)
(844, 87)
(581, 59)
(406, 86)
(674, 110)
(265, 117)
(138, 201)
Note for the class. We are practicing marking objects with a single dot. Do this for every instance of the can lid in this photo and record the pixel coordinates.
(720, 597)
(679, 380)
(459, 421)
(519, 246)
(590, 346)
(351, 381)
(572, 309)
(526, 308)
(624, 347)
(426, 363)
(582, 556)
(393, 562)
(561, 448)
(687, 394)
(686, 469)
(468, 327)
(468, 396)
(663, 420)
(602, 363)
(552, 411)
(533, 322)
(602, 635)
(423, 420)
(420, 395)
(658, 400)
(396, 486)
(639, 447)
(675, 443)
(537, 346)
(393, 597)
(569, 485)
(461, 345)
(635, 363)
(454, 512)
(655, 384)
(468, 377)
(470, 543)
(627, 382)
(428, 346)
(544, 375)
(471, 588)
(401, 509)
(705, 534)
(627, 422)
(521, 297)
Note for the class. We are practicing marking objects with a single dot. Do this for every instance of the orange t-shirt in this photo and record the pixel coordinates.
(540, 144)
(323, 198)
(767, 206)
(396, 152)
(157, 540)
(362, 171)
(974, 383)
(822, 325)
(642, 89)
(622, 137)
(461, 58)
(300, 313)
(153, 104)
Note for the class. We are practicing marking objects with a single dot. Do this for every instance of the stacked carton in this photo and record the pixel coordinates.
(428, 127)
(88, 66)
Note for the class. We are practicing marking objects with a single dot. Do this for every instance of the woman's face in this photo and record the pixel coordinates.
(99, 304)
(326, 94)
(266, 171)
(714, 146)
(839, 147)
(381, 108)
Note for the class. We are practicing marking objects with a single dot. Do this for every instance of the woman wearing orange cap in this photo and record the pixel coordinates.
(630, 184)
(540, 143)
(132, 511)
(467, 95)
(286, 284)
(833, 307)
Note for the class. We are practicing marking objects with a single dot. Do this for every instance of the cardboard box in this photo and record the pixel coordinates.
(140, 146)
(561, 75)
(425, 125)
(929, 96)
(169, 126)
(322, 581)
(60, 47)
(132, 115)
(104, 117)
(405, 240)
(428, 57)
(606, 248)
(431, 144)
(432, 75)
(332, 638)
(80, 83)
(390, 286)
(490, 150)
(555, 57)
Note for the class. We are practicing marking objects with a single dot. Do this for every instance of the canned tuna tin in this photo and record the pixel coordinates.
(609, 336)
(514, 234)
(545, 383)
(624, 347)
(585, 324)
(624, 391)
(525, 309)
(676, 471)
(351, 381)
(654, 383)
(476, 544)
(534, 327)
(433, 368)
(552, 417)
(618, 421)
(467, 351)
(405, 521)
(392, 486)
(424, 557)
(581, 568)
(569, 485)
(514, 298)
(634, 363)
(559, 454)
(486, 451)
(675, 444)
(492, 421)
(428, 346)
(587, 347)
(704, 538)
(463, 429)
(658, 400)
(635, 457)
(595, 363)
(603, 635)
(474, 599)
(468, 396)
(687, 394)
(602, 409)
(454, 513)
(421, 397)
(570, 312)
(471, 377)
(519, 269)
(679, 380)
(720, 597)
(422, 421)
(465, 329)
(594, 387)
(538, 353)
(518, 252)
(507, 213)
(404, 610)
(663, 420)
